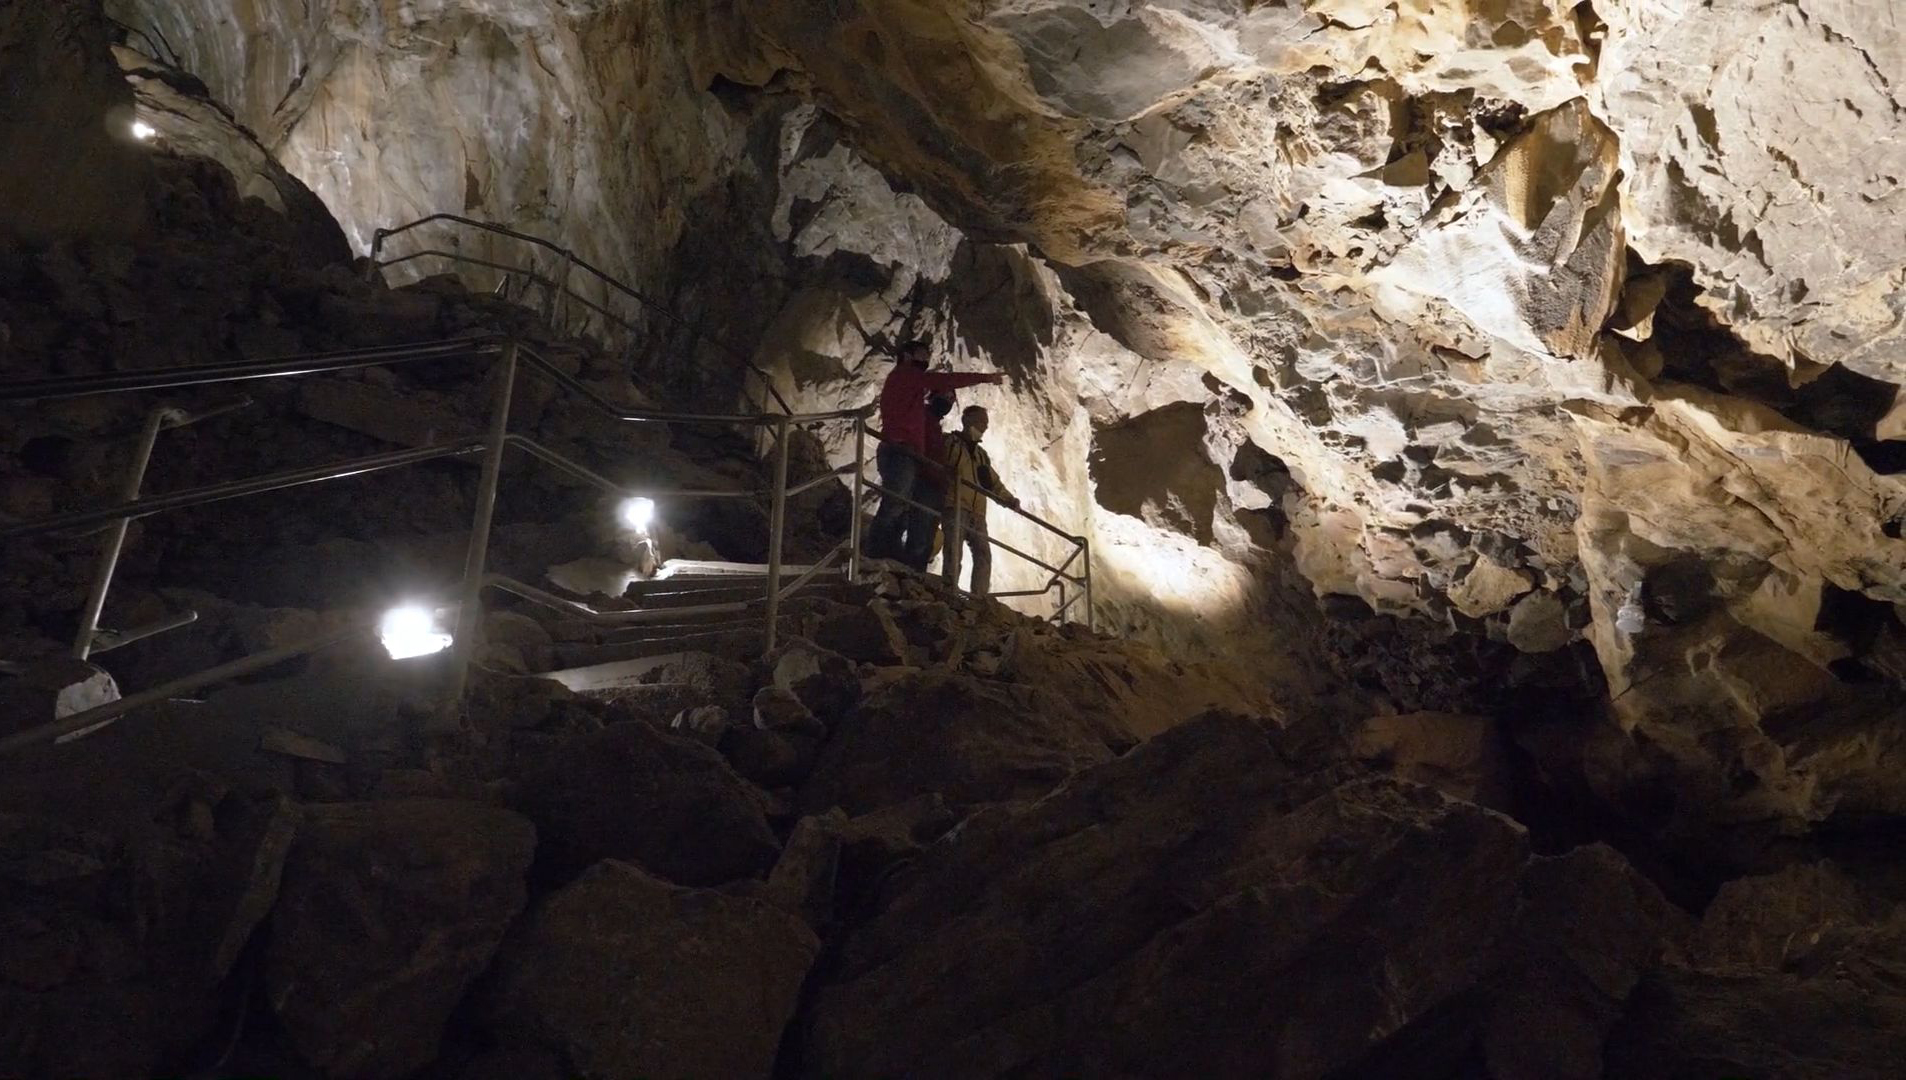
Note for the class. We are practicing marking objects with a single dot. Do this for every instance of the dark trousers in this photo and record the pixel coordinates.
(898, 470)
(916, 549)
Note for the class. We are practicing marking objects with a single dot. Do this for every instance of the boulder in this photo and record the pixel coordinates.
(207, 874)
(1760, 923)
(1488, 587)
(769, 758)
(1463, 756)
(969, 740)
(779, 710)
(1539, 623)
(1226, 900)
(864, 634)
(877, 846)
(716, 679)
(823, 680)
(704, 723)
(629, 976)
(632, 791)
(52, 689)
(78, 995)
(386, 912)
(1684, 1022)
(1588, 927)
(804, 878)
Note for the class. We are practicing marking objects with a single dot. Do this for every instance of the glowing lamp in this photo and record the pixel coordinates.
(143, 131)
(637, 514)
(412, 630)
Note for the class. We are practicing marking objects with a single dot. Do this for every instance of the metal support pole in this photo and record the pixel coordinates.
(777, 524)
(476, 556)
(860, 481)
(552, 304)
(1059, 616)
(955, 525)
(1086, 547)
(116, 536)
(377, 250)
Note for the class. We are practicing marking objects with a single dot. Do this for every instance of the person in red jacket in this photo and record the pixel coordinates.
(903, 451)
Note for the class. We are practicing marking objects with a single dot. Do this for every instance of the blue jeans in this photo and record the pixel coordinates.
(898, 470)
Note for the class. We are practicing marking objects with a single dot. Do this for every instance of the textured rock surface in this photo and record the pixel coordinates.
(388, 910)
(69, 114)
(1532, 359)
(1188, 909)
(633, 792)
(961, 738)
(627, 975)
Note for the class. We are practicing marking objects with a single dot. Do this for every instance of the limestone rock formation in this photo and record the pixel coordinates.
(626, 975)
(1495, 403)
(633, 792)
(388, 911)
(1188, 907)
(958, 737)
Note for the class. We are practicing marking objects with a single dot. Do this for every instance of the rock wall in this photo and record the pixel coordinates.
(69, 114)
(1483, 315)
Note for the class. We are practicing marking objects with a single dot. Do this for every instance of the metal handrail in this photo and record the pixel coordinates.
(174, 378)
(570, 260)
(234, 489)
(1041, 563)
(510, 354)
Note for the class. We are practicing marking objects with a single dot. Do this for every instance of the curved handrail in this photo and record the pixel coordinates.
(570, 258)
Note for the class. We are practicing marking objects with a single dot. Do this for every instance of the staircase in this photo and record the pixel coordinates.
(686, 606)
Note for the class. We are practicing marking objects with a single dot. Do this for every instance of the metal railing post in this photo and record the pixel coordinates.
(377, 250)
(955, 526)
(116, 536)
(559, 285)
(476, 556)
(1086, 547)
(1059, 616)
(777, 523)
(860, 481)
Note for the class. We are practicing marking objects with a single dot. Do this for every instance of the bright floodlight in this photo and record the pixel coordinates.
(637, 514)
(412, 630)
(143, 131)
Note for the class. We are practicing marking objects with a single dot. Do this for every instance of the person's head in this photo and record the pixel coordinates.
(914, 352)
(938, 405)
(973, 421)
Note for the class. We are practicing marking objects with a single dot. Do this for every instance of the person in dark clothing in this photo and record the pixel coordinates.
(902, 452)
(922, 525)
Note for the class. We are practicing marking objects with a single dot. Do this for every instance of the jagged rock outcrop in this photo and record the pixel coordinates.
(1789, 974)
(634, 792)
(1511, 386)
(388, 910)
(627, 975)
(1189, 908)
(88, 178)
(961, 738)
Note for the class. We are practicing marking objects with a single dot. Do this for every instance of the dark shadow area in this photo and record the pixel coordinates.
(1698, 349)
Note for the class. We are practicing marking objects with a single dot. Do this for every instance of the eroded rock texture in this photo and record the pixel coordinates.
(1522, 301)
(1529, 358)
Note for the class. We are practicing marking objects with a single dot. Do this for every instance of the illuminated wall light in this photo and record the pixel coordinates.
(637, 514)
(412, 630)
(143, 131)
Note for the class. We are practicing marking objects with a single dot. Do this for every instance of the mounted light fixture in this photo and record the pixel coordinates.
(637, 514)
(412, 630)
(143, 131)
